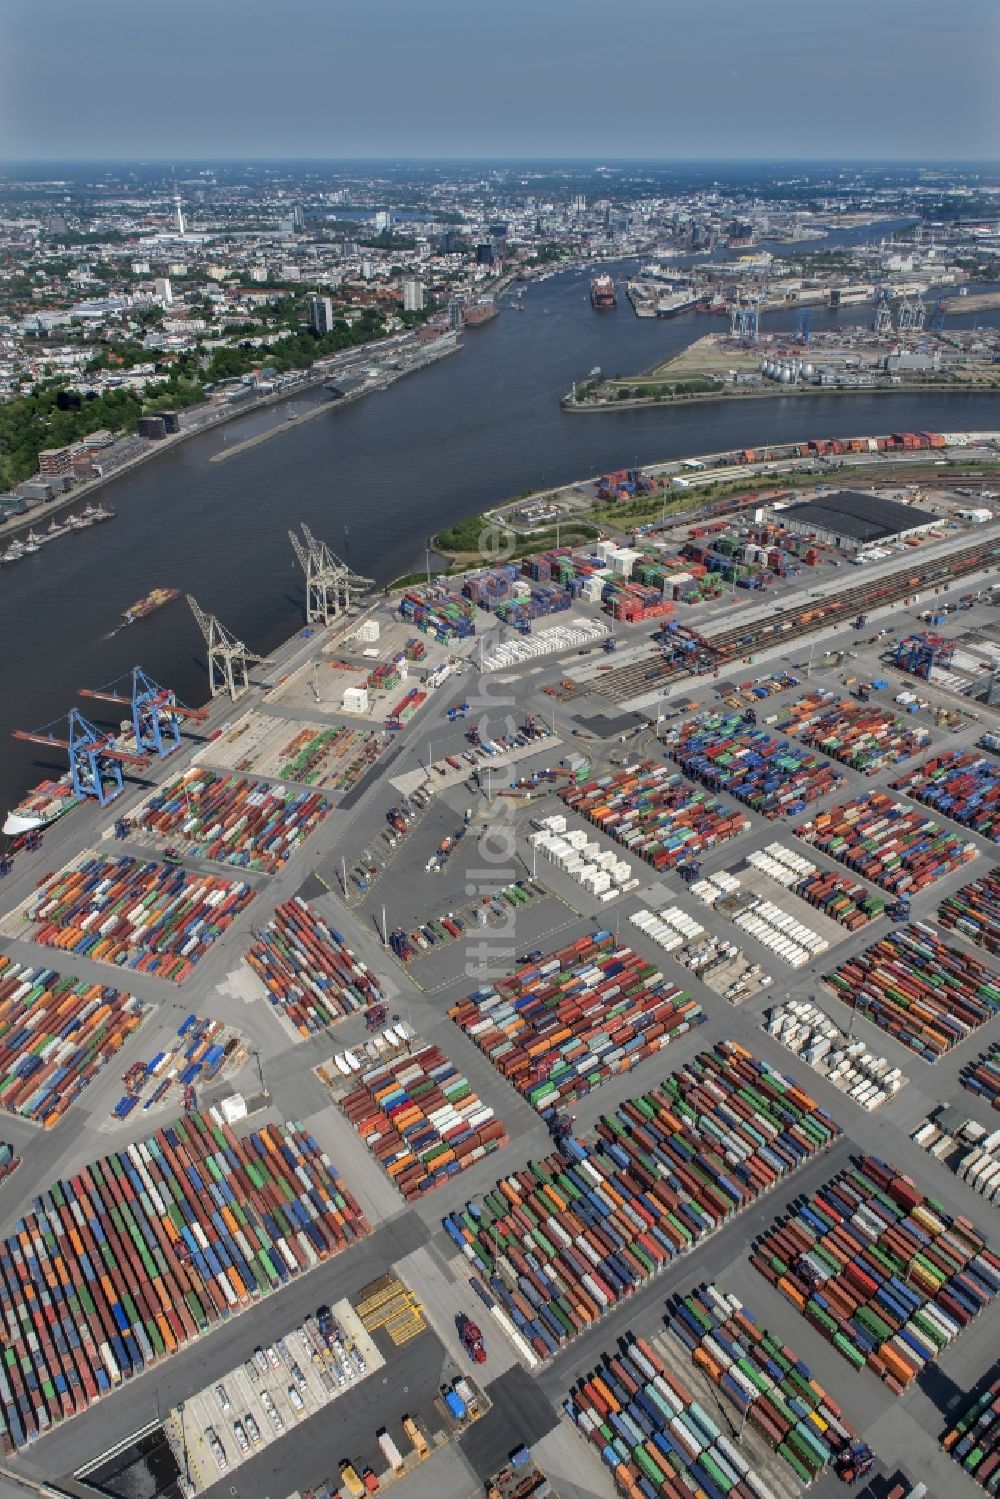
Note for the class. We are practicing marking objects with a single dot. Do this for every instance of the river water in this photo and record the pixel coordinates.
(374, 479)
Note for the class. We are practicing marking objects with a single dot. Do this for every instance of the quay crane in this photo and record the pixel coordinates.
(95, 761)
(155, 711)
(229, 660)
(329, 581)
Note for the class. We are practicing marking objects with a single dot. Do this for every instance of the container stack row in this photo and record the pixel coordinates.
(438, 612)
(974, 1440)
(974, 911)
(843, 901)
(422, 1121)
(721, 965)
(145, 1249)
(770, 775)
(564, 1240)
(960, 785)
(9, 1162)
(653, 1435)
(880, 1270)
(657, 815)
(232, 820)
(807, 1032)
(861, 735)
(558, 1028)
(983, 1076)
(767, 1382)
(56, 1033)
(891, 845)
(136, 914)
(915, 987)
(312, 976)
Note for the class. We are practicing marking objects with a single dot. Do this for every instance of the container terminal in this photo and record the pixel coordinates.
(583, 950)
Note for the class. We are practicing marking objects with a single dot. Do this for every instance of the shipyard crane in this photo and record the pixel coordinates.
(155, 711)
(329, 581)
(95, 761)
(883, 311)
(935, 323)
(229, 660)
(803, 324)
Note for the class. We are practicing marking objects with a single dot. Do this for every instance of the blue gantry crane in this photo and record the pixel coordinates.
(95, 760)
(155, 711)
(803, 324)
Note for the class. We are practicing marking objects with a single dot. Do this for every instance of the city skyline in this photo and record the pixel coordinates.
(647, 82)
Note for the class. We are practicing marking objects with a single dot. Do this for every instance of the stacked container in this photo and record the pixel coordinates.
(653, 1434)
(9, 1162)
(559, 1028)
(136, 914)
(880, 1270)
(974, 1440)
(852, 905)
(769, 1384)
(402, 711)
(899, 849)
(143, 1250)
(232, 820)
(421, 1120)
(56, 1034)
(961, 785)
(911, 984)
(865, 737)
(312, 976)
(658, 816)
(974, 911)
(436, 611)
(983, 1076)
(772, 776)
(566, 1239)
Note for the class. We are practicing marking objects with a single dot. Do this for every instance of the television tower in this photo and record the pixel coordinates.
(178, 207)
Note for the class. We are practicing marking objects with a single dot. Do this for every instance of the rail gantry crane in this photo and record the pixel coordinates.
(95, 759)
(330, 583)
(155, 711)
(229, 660)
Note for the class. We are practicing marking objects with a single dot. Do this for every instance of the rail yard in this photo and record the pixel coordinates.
(448, 1048)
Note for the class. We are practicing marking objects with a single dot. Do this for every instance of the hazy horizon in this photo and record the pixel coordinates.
(654, 80)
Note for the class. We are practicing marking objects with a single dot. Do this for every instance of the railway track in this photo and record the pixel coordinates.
(729, 646)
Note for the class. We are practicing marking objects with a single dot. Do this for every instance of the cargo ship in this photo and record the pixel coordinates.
(672, 303)
(155, 599)
(602, 293)
(40, 807)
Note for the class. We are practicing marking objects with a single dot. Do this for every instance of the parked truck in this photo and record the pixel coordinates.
(390, 1451)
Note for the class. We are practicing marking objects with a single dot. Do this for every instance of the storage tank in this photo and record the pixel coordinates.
(807, 371)
(786, 375)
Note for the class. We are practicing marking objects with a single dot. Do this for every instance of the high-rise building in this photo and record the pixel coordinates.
(413, 296)
(162, 291)
(321, 314)
(367, 270)
(383, 221)
(485, 254)
(450, 242)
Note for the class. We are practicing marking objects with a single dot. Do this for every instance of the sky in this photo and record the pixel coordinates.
(671, 80)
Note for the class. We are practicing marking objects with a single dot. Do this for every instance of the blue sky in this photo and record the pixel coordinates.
(660, 79)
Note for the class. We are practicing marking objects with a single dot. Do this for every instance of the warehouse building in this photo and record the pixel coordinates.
(851, 519)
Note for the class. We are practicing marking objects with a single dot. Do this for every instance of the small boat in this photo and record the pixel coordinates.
(99, 512)
(36, 539)
(54, 530)
(79, 523)
(14, 552)
(30, 546)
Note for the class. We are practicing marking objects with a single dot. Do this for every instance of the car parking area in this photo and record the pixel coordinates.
(275, 1388)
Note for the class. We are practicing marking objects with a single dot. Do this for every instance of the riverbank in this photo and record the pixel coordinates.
(769, 392)
(448, 344)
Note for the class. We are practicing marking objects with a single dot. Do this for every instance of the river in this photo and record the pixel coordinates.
(374, 479)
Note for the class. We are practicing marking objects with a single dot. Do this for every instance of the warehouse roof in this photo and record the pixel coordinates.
(861, 516)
